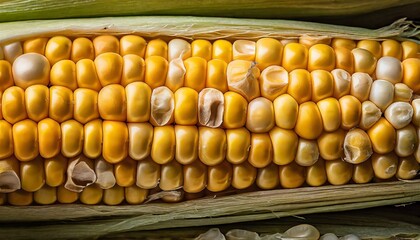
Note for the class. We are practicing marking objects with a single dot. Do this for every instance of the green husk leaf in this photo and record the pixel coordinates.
(198, 27)
(81, 221)
(14, 10)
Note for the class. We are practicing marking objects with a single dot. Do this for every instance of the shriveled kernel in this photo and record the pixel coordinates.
(212, 145)
(402, 93)
(295, 56)
(219, 177)
(163, 144)
(58, 48)
(196, 72)
(211, 106)
(321, 57)
(80, 174)
(360, 86)
(216, 75)
(260, 115)
(307, 152)
(236, 106)
(162, 106)
(351, 111)
(178, 48)
(357, 146)
(132, 44)
(372, 46)
(383, 136)
(242, 77)
(134, 68)
(384, 165)
(156, 71)
(273, 82)
(82, 48)
(35, 45)
(30, 69)
(338, 172)
(243, 176)
(370, 115)
(363, 172)
(406, 141)
(330, 144)
(399, 114)
(408, 168)
(390, 69)
(342, 82)
(364, 61)
(244, 50)
(285, 144)
(300, 85)
(392, 48)
(330, 113)
(176, 74)
(292, 175)
(316, 174)
(268, 177)
(222, 49)
(109, 67)
(382, 93)
(86, 75)
(309, 121)
(115, 141)
(148, 174)
(140, 137)
(106, 44)
(104, 171)
(285, 111)
(186, 146)
(261, 150)
(9, 175)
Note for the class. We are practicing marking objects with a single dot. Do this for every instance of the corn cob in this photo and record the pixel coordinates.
(110, 119)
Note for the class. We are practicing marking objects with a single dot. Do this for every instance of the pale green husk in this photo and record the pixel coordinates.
(81, 221)
(13, 10)
(198, 27)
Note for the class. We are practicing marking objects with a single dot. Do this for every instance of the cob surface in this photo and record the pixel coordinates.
(108, 118)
